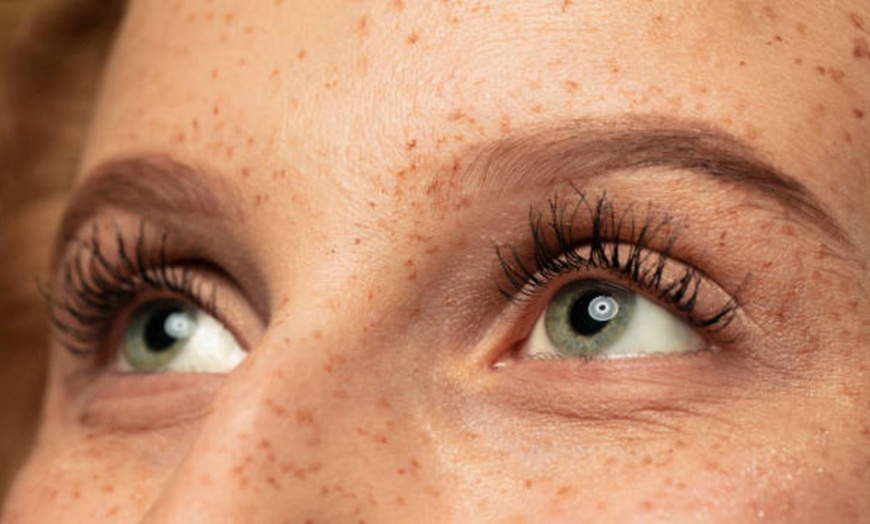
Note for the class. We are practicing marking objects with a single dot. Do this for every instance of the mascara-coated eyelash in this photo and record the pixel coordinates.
(617, 242)
(94, 285)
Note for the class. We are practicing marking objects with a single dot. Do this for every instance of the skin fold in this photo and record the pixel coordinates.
(350, 166)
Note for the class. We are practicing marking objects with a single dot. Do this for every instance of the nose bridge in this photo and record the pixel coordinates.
(253, 446)
(296, 434)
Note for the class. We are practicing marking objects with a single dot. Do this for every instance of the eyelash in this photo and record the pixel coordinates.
(555, 254)
(94, 289)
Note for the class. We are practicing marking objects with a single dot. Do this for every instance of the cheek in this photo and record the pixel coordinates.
(94, 477)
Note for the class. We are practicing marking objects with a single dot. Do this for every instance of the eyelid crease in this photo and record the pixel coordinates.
(615, 242)
(154, 187)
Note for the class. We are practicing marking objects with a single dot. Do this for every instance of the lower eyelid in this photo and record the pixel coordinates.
(146, 402)
(661, 390)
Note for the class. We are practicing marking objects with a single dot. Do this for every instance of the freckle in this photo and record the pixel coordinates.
(571, 86)
(363, 25)
(214, 74)
(301, 54)
(566, 4)
(821, 70)
(527, 483)
(798, 61)
(317, 333)
(860, 48)
(847, 137)
(215, 110)
(857, 112)
(275, 73)
(564, 490)
(742, 63)
(278, 3)
(412, 38)
(777, 38)
(801, 28)
(857, 21)
(647, 460)
(228, 18)
(179, 137)
(646, 505)
(107, 489)
(837, 75)
(113, 510)
(246, 172)
(398, 5)
(304, 416)
(769, 12)
(249, 29)
(278, 410)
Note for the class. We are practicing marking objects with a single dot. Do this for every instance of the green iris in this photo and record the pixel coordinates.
(157, 333)
(585, 317)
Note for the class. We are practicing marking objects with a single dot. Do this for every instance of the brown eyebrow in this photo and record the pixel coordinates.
(566, 153)
(149, 186)
(581, 150)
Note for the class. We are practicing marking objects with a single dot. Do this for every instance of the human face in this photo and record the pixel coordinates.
(352, 188)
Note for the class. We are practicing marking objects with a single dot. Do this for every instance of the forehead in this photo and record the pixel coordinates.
(369, 95)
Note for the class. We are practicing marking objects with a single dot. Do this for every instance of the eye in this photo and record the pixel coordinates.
(599, 319)
(172, 335)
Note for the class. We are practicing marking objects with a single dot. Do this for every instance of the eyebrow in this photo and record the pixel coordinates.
(154, 187)
(582, 150)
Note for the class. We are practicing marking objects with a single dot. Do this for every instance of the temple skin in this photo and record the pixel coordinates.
(345, 164)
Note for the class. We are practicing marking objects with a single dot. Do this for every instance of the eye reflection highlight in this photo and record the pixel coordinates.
(599, 319)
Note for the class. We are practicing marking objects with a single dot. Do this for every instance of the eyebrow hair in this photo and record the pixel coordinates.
(571, 152)
(582, 150)
(150, 186)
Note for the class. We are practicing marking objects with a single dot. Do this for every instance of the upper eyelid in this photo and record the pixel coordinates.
(553, 255)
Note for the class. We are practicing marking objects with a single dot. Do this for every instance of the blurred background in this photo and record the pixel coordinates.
(51, 56)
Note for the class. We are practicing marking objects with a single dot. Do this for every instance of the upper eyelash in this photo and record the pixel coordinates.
(555, 253)
(91, 289)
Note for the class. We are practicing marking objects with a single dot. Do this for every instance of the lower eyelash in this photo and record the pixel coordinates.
(616, 242)
(94, 286)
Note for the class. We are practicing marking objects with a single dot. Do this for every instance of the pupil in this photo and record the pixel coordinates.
(581, 322)
(156, 336)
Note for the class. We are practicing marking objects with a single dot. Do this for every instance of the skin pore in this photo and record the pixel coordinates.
(345, 176)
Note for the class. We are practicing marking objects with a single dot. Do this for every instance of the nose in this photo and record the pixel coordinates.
(304, 432)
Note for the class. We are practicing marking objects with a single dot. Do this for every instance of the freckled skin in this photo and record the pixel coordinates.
(339, 124)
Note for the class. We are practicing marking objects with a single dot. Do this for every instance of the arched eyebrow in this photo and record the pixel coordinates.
(580, 151)
(570, 152)
(154, 187)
